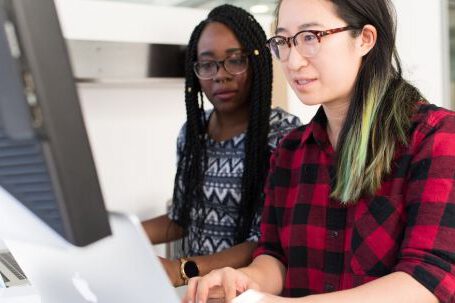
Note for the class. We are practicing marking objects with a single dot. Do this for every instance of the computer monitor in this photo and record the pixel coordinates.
(45, 158)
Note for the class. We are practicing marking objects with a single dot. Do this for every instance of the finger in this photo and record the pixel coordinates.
(190, 295)
(202, 291)
(216, 292)
(206, 283)
(230, 286)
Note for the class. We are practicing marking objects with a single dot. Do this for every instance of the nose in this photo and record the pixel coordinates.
(295, 60)
(222, 75)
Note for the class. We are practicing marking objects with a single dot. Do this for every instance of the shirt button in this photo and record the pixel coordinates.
(333, 234)
(329, 287)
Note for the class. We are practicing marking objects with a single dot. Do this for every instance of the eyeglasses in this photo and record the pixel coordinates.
(234, 64)
(307, 42)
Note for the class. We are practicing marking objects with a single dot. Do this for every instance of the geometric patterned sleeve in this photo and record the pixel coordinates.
(281, 123)
(177, 199)
(427, 252)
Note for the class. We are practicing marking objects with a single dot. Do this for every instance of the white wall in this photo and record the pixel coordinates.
(423, 46)
(132, 126)
(133, 131)
(128, 22)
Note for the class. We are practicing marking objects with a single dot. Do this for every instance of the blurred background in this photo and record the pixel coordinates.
(267, 7)
(133, 104)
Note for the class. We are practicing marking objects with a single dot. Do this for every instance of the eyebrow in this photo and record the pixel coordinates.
(301, 27)
(211, 54)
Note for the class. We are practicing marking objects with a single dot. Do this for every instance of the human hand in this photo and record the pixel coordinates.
(224, 283)
(172, 268)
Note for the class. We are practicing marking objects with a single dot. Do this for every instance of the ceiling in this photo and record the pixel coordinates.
(264, 6)
(254, 6)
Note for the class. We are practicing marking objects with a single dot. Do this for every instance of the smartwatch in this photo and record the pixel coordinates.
(188, 269)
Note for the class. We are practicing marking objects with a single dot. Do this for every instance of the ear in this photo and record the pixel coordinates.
(367, 39)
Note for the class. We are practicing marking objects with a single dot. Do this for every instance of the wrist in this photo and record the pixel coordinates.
(172, 268)
(176, 276)
(187, 269)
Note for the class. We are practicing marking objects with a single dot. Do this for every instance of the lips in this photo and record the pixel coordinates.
(225, 94)
(303, 83)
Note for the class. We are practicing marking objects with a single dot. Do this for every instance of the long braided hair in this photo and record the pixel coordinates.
(192, 165)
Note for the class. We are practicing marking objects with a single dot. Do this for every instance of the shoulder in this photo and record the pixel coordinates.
(432, 131)
(281, 123)
(431, 114)
(429, 118)
(295, 139)
(281, 118)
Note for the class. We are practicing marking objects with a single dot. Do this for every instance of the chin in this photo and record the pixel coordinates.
(309, 100)
(225, 109)
(310, 103)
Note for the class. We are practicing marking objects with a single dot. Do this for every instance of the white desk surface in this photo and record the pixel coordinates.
(28, 294)
(19, 294)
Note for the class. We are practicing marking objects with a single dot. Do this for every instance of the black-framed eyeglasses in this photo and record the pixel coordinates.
(234, 64)
(307, 42)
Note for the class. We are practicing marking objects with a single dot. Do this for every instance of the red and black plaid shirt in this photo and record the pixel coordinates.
(408, 226)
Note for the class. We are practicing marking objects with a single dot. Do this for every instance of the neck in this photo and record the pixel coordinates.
(224, 126)
(336, 115)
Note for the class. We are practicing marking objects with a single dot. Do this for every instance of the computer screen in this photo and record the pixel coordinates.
(45, 157)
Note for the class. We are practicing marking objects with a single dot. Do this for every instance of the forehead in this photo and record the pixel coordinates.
(295, 15)
(217, 39)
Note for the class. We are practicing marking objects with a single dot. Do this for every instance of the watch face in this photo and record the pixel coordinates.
(191, 269)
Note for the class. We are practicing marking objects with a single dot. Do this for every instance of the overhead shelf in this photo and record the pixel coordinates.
(119, 62)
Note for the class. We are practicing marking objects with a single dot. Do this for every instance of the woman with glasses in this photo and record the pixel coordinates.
(223, 153)
(360, 203)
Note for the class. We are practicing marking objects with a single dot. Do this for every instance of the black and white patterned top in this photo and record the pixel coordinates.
(222, 188)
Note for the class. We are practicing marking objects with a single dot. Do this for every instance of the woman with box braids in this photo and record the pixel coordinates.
(252, 37)
(223, 153)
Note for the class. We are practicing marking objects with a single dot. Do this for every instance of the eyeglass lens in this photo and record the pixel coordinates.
(306, 43)
(234, 64)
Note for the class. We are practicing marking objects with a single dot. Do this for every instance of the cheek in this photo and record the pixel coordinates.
(286, 72)
(339, 75)
(244, 83)
(338, 62)
(205, 86)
